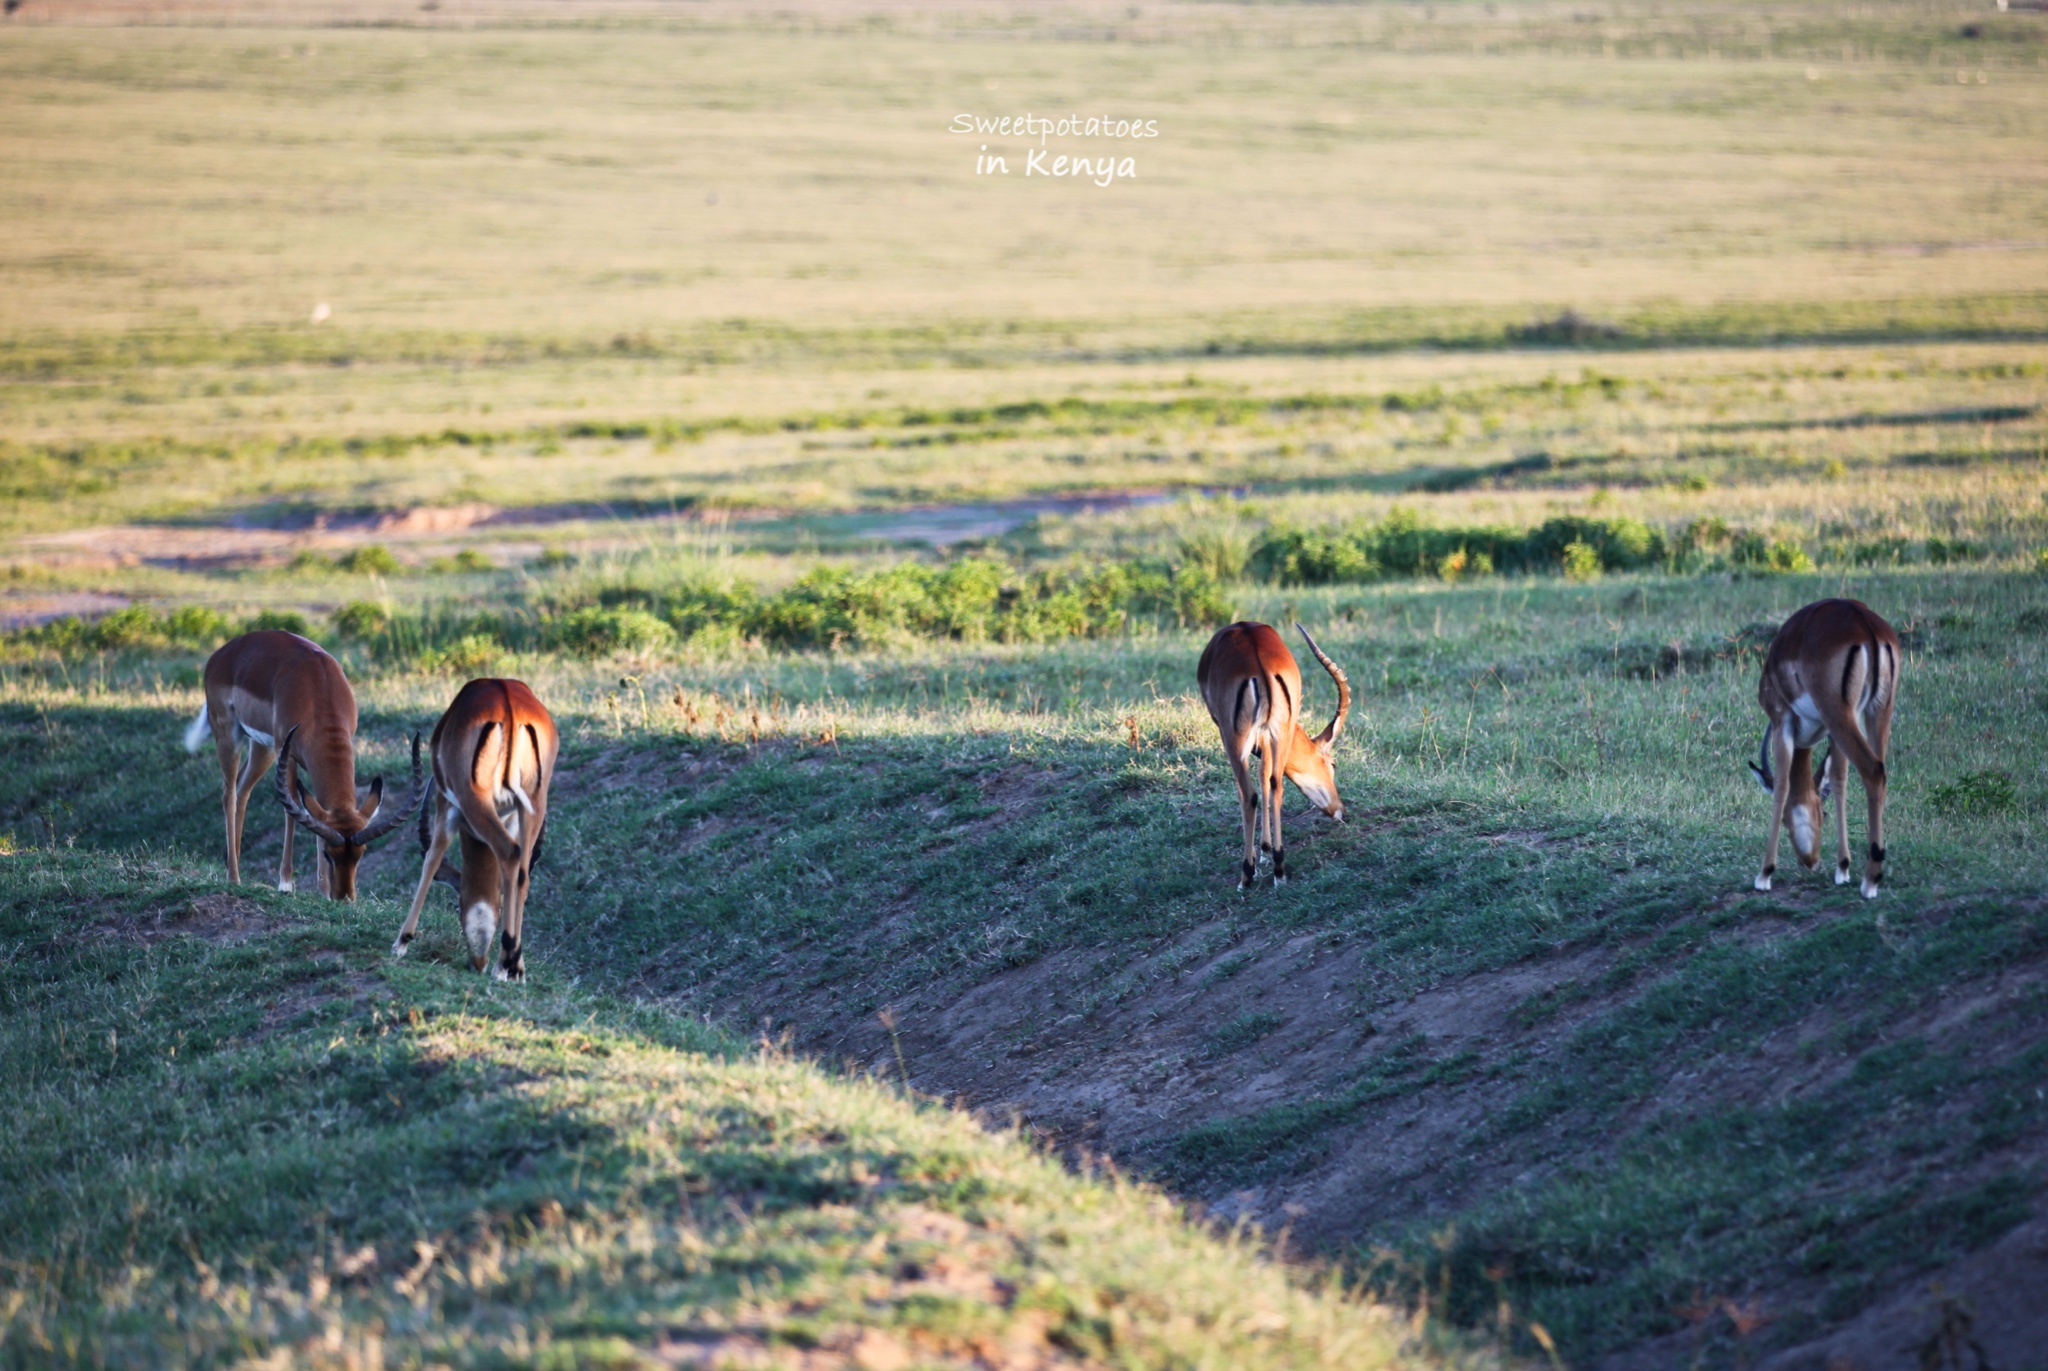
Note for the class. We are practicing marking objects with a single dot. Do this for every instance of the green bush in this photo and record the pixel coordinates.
(131, 627)
(973, 599)
(595, 631)
(1942, 551)
(1401, 545)
(196, 626)
(135, 626)
(287, 620)
(469, 559)
(372, 559)
(473, 654)
(1758, 553)
(1580, 561)
(361, 619)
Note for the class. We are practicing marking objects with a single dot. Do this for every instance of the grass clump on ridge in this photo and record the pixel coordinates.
(242, 1132)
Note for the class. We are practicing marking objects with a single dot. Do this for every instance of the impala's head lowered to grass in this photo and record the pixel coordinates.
(271, 685)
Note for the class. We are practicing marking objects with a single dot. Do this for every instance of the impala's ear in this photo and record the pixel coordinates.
(372, 798)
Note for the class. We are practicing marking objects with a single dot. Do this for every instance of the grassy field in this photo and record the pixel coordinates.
(861, 521)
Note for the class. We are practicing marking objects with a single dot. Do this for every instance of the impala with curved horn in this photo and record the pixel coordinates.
(1832, 672)
(1252, 686)
(268, 685)
(494, 753)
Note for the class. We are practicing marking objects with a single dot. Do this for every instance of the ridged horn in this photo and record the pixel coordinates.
(390, 816)
(1328, 736)
(1763, 772)
(287, 786)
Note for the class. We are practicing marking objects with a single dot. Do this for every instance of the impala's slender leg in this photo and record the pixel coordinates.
(444, 834)
(230, 807)
(253, 767)
(284, 861)
(1838, 782)
(1248, 803)
(1275, 798)
(511, 899)
(1781, 799)
(511, 882)
(1879, 731)
(1874, 790)
(512, 966)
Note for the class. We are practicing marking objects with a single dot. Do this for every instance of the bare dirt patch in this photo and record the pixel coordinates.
(1119, 1058)
(26, 611)
(1988, 1310)
(1126, 1055)
(219, 917)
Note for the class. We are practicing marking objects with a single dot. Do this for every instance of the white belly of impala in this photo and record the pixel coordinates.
(1804, 722)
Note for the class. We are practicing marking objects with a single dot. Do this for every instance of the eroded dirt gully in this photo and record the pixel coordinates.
(1215, 1028)
(1120, 1053)
(1053, 1047)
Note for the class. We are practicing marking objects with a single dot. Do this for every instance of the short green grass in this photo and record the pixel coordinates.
(803, 824)
(238, 1132)
(1779, 317)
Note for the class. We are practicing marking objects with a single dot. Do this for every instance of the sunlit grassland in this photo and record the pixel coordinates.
(560, 183)
(234, 1138)
(714, 300)
(1782, 435)
(734, 830)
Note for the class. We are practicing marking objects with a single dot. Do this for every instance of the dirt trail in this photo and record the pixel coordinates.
(246, 540)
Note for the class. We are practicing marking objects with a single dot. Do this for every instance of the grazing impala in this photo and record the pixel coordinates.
(1252, 686)
(1833, 672)
(266, 686)
(494, 752)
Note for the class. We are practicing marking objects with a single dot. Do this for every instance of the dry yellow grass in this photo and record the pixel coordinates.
(585, 181)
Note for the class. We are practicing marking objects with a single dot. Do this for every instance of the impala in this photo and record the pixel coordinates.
(494, 752)
(268, 685)
(1833, 672)
(1252, 687)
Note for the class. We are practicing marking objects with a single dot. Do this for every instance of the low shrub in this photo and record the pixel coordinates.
(594, 631)
(467, 560)
(372, 559)
(473, 654)
(361, 619)
(131, 628)
(286, 620)
(1401, 545)
(1758, 553)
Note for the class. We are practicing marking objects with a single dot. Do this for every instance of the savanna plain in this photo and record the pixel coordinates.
(860, 519)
